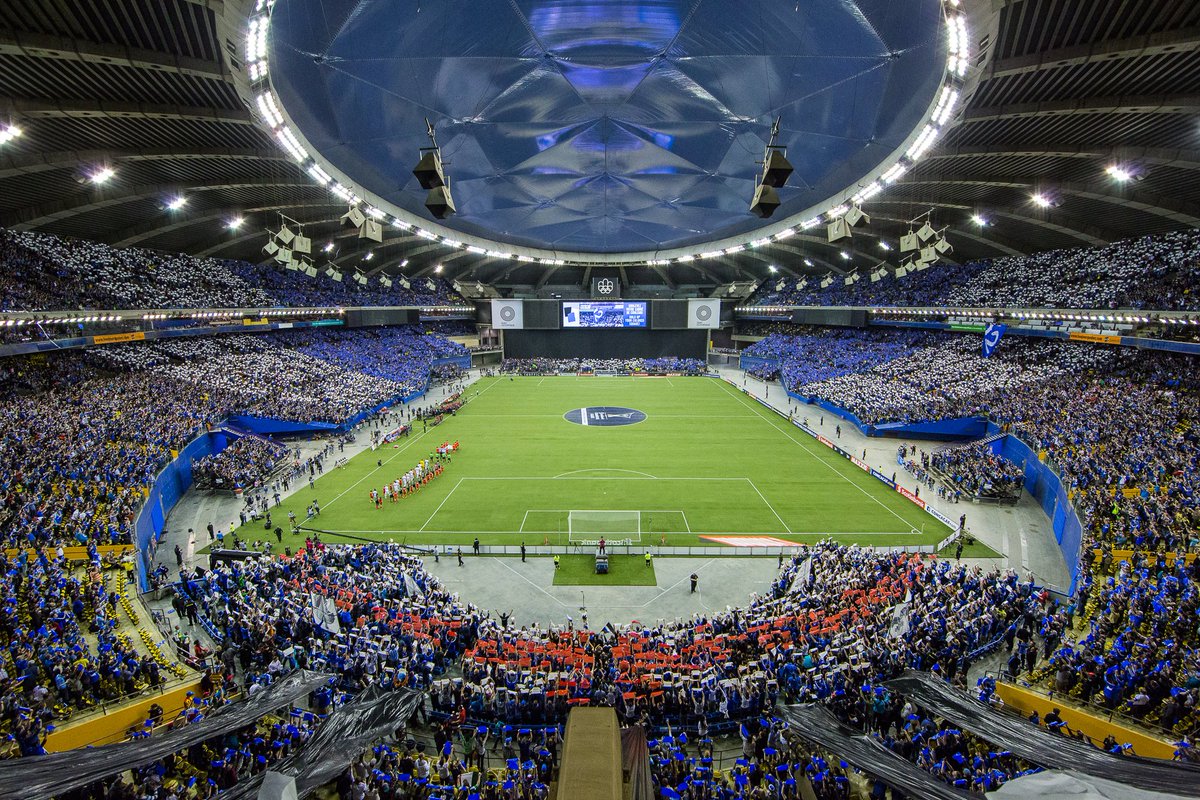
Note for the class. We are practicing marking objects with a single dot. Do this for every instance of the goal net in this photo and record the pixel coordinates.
(589, 527)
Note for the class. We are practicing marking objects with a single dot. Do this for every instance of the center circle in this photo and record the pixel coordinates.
(604, 416)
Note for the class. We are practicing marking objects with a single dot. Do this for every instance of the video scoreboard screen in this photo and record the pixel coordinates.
(604, 314)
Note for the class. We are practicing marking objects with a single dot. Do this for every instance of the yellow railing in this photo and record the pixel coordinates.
(1095, 727)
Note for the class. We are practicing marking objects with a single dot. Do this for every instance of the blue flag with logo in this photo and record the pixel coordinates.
(991, 338)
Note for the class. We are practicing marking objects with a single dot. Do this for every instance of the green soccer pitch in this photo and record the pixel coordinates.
(707, 460)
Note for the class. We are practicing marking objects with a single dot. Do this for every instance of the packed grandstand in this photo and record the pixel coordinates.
(86, 433)
(318, 482)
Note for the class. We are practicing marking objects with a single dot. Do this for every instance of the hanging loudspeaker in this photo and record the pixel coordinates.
(765, 201)
(855, 217)
(439, 202)
(837, 230)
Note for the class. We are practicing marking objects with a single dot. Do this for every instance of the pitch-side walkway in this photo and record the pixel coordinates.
(196, 509)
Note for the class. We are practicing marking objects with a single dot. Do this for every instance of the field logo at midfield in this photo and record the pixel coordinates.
(604, 416)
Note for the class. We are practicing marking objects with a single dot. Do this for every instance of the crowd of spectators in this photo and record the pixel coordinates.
(1120, 428)
(818, 354)
(948, 377)
(217, 765)
(552, 366)
(976, 471)
(81, 436)
(61, 649)
(43, 272)
(1159, 272)
(244, 464)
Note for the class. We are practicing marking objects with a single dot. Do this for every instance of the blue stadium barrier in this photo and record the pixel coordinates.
(960, 428)
(1045, 486)
(170, 485)
(755, 362)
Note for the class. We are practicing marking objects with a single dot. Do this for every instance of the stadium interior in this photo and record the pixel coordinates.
(590, 399)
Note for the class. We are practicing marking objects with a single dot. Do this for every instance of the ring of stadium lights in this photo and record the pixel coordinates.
(271, 114)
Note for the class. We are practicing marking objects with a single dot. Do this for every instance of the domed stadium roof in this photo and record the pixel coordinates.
(160, 91)
(572, 125)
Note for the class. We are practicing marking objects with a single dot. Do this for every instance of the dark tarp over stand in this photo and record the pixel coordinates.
(343, 735)
(818, 726)
(635, 757)
(41, 777)
(1041, 746)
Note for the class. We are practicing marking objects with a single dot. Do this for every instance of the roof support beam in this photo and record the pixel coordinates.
(151, 229)
(546, 273)
(1149, 104)
(30, 163)
(47, 109)
(33, 46)
(1154, 44)
(32, 217)
(1006, 246)
(664, 276)
(246, 237)
(1041, 219)
(1158, 156)
(1148, 202)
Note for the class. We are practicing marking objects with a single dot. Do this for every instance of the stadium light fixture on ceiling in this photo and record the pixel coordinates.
(235, 223)
(368, 256)
(102, 175)
(8, 133)
(845, 256)
(176, 203)
(979, 220)
(884, 246)
(328, 247)
(1118, 173)
(772, 269)
(438, 269)
(808, 262)
(1041, 201)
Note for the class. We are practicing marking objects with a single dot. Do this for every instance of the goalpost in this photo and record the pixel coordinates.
(617, 527)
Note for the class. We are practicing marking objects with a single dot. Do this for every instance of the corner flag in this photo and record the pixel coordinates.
(991, 338)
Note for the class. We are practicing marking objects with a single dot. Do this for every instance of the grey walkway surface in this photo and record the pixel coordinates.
(1020, 533)
(504, 584)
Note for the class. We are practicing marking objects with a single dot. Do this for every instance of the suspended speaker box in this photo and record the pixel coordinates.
(354, 218)
(855, 217)
(837, 230)
(371, 229)
(765, 201)
(909, 242)
(439, 202)
(429, 170)
(776, 169)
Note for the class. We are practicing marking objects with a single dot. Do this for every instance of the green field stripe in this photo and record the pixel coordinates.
(816, 452)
